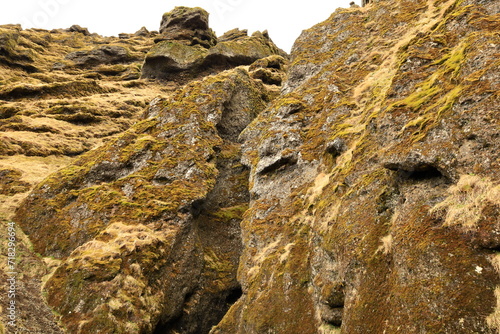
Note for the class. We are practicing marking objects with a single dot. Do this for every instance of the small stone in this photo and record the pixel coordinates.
(142, 32)
(77, 28)
(336, 147)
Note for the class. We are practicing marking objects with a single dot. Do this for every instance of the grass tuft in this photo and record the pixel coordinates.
(467, 200)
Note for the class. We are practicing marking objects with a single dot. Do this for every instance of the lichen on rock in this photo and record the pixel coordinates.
(361, 196)
(377, 120)
(188, 45)
(164, 198)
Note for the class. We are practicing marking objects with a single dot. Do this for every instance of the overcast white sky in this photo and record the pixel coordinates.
(284, 19)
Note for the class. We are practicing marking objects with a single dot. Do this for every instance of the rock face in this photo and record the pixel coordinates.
(108, 54)
(150, 222)
(187, 25)
(363, 197)
(364, 173)
(188, 46)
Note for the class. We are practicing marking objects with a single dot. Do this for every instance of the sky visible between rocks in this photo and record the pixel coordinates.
(284, 19)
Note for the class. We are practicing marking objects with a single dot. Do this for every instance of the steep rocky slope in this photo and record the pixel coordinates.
(362, 198)
(163, 182)
(62, 93)
(375, 178)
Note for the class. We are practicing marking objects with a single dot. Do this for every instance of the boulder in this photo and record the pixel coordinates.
(106, 54)
(185, 18)
(144, 32)
(167, 58)
(242, 50)
(77, 28)
(189, 25)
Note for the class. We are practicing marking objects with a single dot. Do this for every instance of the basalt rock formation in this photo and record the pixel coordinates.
(353, 188)
(187, 47)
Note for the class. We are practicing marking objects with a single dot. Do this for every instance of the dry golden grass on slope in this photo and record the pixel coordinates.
(34, 170)
(467, 200)
(52, 110)
(493, 319)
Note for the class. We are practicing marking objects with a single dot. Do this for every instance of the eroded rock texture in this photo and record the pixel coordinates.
(147, 227)
(188, 47)
(364, 198)
(364, 173)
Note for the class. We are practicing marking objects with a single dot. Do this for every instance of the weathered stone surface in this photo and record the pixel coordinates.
(77, 28)
(106, 54)
(142, 32)
(366, 218)
(271, 70)
(185, 17)
(242, 50)
(184, 46)
(188, 26)
(167, 58)
(150, 222)
(233, 34)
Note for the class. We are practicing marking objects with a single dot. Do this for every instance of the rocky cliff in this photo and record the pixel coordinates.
(352, 187)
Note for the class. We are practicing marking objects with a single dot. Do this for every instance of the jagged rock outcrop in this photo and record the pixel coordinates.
(271, 70)
(375, 178)
(188, 47)
(143, 32)
(150, 222)
(187, 26)
(364, 198)
(79, 29)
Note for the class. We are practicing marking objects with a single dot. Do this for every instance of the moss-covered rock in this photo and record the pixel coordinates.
(187, 46)
(364, 199)
(377, 121)
(107, 54)
(147, 226)
(11, 182)
(12, 54)
(188, 26)
(167, 58)
(243, 50)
